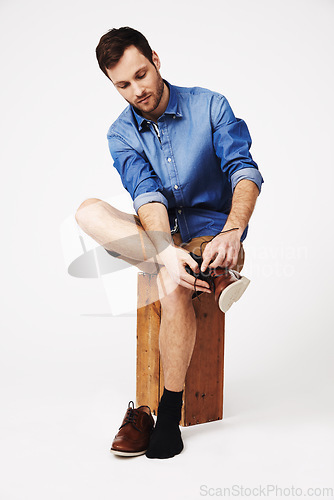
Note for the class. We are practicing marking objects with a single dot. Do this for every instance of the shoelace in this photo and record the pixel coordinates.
(209, 274)
(131, 416)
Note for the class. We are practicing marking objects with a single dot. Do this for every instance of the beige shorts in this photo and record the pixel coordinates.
(194, 246)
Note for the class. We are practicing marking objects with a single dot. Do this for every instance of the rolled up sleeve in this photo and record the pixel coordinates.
(137, 175)
(232, 142)
(252, 174)
(144, 198)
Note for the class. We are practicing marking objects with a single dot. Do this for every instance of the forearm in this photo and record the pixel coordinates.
(243, 203)
(154, 219)
(223, 250)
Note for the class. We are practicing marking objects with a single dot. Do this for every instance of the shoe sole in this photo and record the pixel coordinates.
(232, 293)
(127, 453)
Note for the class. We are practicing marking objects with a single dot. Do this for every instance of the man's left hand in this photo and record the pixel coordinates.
(223, 251)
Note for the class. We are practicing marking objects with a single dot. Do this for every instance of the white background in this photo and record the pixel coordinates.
(67, 363)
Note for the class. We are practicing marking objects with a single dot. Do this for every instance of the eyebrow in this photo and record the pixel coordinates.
(136, 73)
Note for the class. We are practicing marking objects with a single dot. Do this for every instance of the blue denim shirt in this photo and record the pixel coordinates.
(195, 164)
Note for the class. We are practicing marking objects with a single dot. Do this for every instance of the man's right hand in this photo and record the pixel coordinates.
(175, 260)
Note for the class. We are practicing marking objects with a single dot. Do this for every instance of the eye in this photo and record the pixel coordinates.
(141, 76)
(123, 86)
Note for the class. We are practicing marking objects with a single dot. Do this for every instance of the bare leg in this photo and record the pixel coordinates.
(176, 342)
(118, 232)
(177, 331)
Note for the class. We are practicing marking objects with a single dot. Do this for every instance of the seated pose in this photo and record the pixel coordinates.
(184, 158)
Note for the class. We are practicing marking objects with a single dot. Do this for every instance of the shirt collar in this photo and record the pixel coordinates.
(173, 107)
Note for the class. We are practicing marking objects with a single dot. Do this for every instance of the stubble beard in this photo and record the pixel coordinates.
(156, 98)
(160, 91)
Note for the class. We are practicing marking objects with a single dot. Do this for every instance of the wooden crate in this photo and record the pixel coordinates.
(203, 391)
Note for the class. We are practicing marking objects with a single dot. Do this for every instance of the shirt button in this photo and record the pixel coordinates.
(176, 186)
(180, 211)
(169, 160)
(174, 117)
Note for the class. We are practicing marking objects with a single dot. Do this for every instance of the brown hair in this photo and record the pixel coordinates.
(112, 45)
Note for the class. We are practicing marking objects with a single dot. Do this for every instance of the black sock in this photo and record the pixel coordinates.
(166, 441)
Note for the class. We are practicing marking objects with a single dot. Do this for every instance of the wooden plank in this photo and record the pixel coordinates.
(203, 393)
(148, 359)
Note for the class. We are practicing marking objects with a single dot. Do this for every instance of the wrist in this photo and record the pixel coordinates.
(230, 229)
(166, 253)
(160, 239)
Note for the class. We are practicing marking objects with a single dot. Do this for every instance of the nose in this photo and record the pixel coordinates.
(138, 90)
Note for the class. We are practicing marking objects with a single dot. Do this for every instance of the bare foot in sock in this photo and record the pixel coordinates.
(165, 441)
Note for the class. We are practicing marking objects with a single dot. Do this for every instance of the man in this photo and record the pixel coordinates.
(184, 158)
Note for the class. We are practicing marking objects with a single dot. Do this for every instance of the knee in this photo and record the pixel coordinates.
(85, 209)
(180, 297)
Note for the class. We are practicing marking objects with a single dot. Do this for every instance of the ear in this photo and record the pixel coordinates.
(156, 59)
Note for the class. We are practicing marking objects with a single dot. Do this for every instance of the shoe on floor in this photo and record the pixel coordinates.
(134, 434)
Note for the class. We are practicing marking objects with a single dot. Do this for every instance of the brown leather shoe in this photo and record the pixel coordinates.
(134, 434)
(229, 286)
